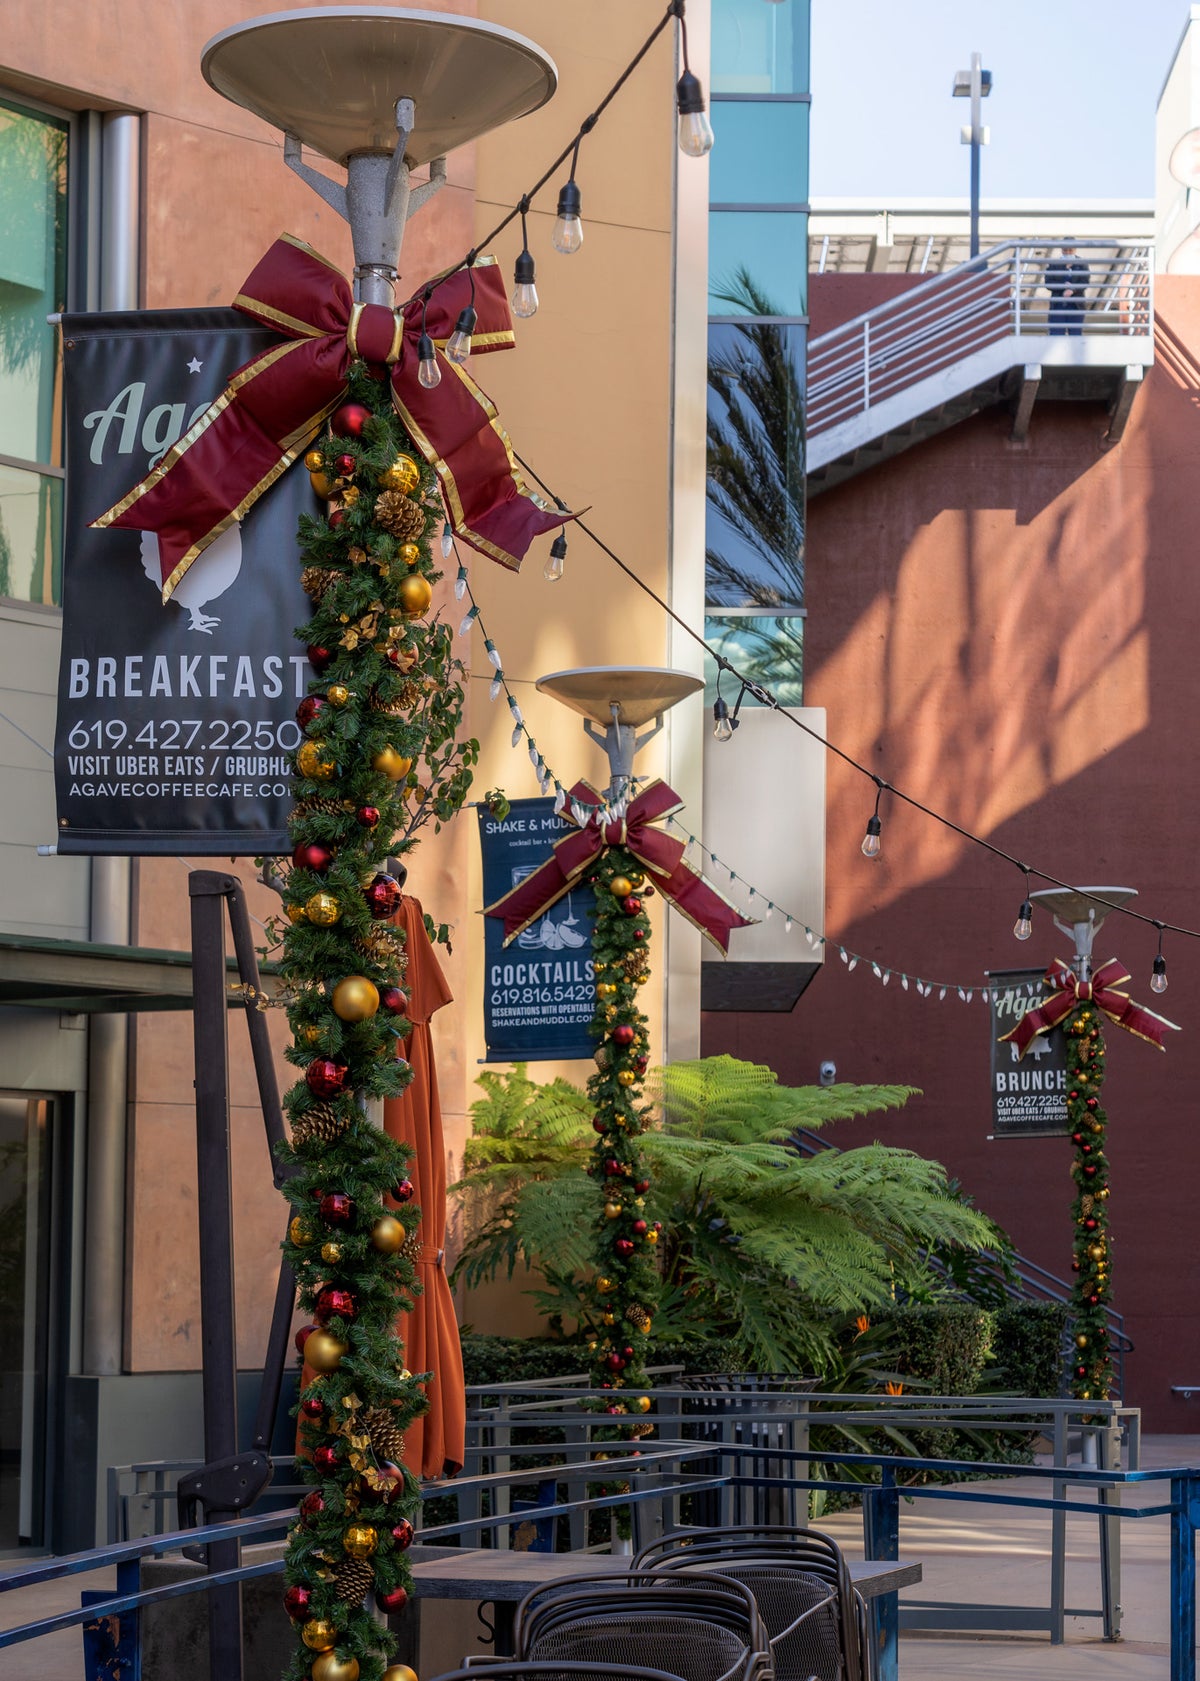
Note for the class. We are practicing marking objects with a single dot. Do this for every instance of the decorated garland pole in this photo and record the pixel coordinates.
(1077, 1003)
(626, 1284)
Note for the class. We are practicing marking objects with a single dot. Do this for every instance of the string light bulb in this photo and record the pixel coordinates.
(552, 571)
(459, 347)
(695, 130)
(872, 843)
(1158, 969)
(448, 547)
(429, 372)
(1023, 926)
(524, 300)
(568, 229)
(723, 724)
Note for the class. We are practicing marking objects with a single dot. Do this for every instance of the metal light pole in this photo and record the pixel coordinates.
(974, 84)
(1076, 912)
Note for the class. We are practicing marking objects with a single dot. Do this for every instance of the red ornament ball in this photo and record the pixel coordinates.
(628, 1353)
(1090, 1225)
(623, 1247)
(641, 1064)
(402, 1533)
(599, 1124)
(640, 1227)
(394, 1000)
(643, 1185)
(333, 1303)
(302, 1336)
(639, 933)
(1090, 1169)
(612, 1167)
(383, 896)
(349, 420)
(344, 466)
(308, 709)
(1072, 1095)
(392, 1603)
(1094, 1301)
(337, 1209)
(1093, 1103)
(394, 1476)
(296, 1602)
(326, 1076)
(631, 906)
(319, 658)
(367, 815)
(337, 517)
(623, 1035)
(311, 855)
(614, 1363)
(312, 1505)
(405, 1191)
(325, 1458)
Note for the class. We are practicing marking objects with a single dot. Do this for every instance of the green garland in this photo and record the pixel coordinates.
(1091, 1372)
(624, 1292)
(379, 759)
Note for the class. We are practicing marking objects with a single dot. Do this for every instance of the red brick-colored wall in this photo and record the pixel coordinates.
(1007, 633)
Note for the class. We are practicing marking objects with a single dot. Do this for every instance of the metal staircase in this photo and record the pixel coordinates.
(988, 332)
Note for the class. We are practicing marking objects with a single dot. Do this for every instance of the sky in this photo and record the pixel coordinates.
(1071, 113)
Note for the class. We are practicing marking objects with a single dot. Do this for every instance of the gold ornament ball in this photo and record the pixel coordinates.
(612, 1210)
(387, 1235)
(399, 1672)
(295, 913)
(651, 1237)
(323, 1352)
(620, 887)
(311, 761)
(642, 1404)
(323, 910)
(331, 1252)
(606, 989)
(410, 553)
(636, 879)
(604, 1285)
(319, 1635)
(299, 1231)
(1081, 1341)
(389, 763)
(360, 1540)
(403, 475)
(329, 1667)
(626, 1077)
(355, 998)
(337, 694)
(323, 484)
(414, 594)
(314, 461)
(641, 980)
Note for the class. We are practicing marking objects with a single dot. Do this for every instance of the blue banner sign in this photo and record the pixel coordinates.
(539, 994)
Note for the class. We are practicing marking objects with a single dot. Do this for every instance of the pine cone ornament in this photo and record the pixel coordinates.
(638, 1317)
(386, 1440)
(412, 1246)
(399, 515)
(320, 1124)
(408, 694)
(319, 803)
(378, 945)
(353, 1579)
(316, 580)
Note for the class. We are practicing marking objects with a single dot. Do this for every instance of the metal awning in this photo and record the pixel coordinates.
(77, 977)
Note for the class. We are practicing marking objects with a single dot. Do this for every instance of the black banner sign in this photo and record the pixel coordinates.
(174, 722)
(1029, 1097)
(539, 995)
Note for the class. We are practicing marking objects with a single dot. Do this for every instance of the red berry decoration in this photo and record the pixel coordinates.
(394, 1000)
(631, 906)
(311, 855)
(308, 709)
(392, 1603)
(319, 658)
(383, 896)
(402, 1533)
(623, 1035)
(405, 1191)
(623, 1247)
(326, 1076)
(312, 1505)
(335, 1304)
(310, 1407)
(367, 815)
(349, 420)
(296, 1601)
(302, 1336)
(325, 1458)
(344, 466)
(336, 1208)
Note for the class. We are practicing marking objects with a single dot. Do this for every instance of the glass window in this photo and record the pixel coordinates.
(761, 154)
(757, 262)
(754, 537)
(758, 48)
(767, 648)
(33, 185)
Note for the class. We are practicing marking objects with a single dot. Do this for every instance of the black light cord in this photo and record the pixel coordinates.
(766, 698)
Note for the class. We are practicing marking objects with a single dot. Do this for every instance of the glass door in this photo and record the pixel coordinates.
(25, 1132)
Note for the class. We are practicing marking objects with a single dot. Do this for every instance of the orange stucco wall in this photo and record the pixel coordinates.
(1007, 633)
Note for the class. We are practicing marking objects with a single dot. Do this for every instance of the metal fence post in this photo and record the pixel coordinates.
(881, 1540)
(1110, 1533)
(1182, 1607)
(1058, 1535)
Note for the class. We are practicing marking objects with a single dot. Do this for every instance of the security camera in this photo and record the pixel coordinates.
(828, 1073)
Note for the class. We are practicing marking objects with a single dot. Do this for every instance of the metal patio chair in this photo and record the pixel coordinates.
(524, 1669)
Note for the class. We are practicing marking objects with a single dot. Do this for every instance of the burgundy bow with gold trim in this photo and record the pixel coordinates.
(660, 855)
(1101, 991)
(274, 406)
